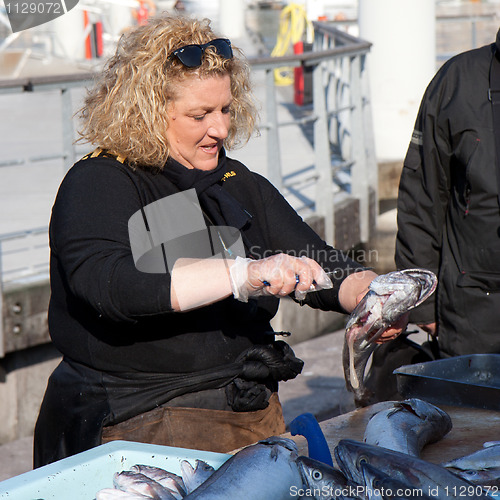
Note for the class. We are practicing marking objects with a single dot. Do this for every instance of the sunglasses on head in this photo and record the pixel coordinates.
(191, 55)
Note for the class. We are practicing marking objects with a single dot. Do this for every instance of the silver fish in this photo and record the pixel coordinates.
(261, 471)
(389, 296)
(434, 480)
(485, 458)
(486, 477)
(323, 482)
(194, 476)
(114, 494)
(167, 479)
(134, 482)
(408, 426)
(378, 484)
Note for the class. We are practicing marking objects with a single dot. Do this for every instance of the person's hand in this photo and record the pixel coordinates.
(429, 328)
(279, 275)
(394, 330)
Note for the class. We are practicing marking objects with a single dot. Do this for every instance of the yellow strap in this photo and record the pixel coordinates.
(99, 152)
(293, 24)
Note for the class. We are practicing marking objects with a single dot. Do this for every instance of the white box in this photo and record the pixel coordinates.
(81, 476)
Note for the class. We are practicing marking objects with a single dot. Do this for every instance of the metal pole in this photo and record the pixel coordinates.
(474, 34)
(360, 182)
(370, 160)
(273, 141)
(322, 154)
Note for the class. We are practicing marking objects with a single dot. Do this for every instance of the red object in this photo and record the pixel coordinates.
(88, 41)
(97, 30)
(142, 14)
(298, 84)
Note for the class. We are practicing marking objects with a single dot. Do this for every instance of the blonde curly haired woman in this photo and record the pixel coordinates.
(168, 258)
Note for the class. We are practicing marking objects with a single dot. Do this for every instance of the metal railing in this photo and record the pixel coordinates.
(339, 121)
(24, 253)
(337, 118)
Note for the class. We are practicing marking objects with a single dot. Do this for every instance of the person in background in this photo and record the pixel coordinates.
(448, 217)
(168, 259)
(448, 204)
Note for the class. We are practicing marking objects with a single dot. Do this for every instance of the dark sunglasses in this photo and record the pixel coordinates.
(191, 55)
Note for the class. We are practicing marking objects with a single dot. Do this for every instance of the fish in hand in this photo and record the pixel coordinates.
(389, 297)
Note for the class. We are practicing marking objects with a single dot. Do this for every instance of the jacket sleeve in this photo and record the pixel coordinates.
(91, 248)
(423, 195)
(288, 233)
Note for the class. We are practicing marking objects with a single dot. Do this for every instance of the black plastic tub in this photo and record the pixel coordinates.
(472, 380)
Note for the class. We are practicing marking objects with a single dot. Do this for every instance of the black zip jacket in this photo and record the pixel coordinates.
(448, 208)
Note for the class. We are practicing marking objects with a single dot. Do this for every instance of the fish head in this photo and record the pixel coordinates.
(389, 296)
(202, 467)
(318, 476)
(352, 456)
(400, 291)
(138, 483)
(373, 478)
(382, 485)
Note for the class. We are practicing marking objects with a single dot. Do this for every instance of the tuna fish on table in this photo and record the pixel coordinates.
(425, 478)
(274, 469)
(407, 426)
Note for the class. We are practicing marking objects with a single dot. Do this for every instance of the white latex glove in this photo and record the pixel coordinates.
(279, 274)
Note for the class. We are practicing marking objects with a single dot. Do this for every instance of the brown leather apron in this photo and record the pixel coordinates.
(199, 428)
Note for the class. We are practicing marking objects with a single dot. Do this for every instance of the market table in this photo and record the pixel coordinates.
(471, 428)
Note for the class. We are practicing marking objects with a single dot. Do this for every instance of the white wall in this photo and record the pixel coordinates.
(401, 63)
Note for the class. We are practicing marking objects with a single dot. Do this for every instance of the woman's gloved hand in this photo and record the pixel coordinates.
(279, 274)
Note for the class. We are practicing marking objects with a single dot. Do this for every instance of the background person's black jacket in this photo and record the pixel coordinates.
(448, 206)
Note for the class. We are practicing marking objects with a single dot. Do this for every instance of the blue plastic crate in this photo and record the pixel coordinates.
(81, 476)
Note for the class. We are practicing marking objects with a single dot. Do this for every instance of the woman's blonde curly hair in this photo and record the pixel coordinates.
(126, 110)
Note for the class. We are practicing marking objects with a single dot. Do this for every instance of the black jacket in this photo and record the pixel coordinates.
(448, 208)
(125, 350)
(107, 315)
